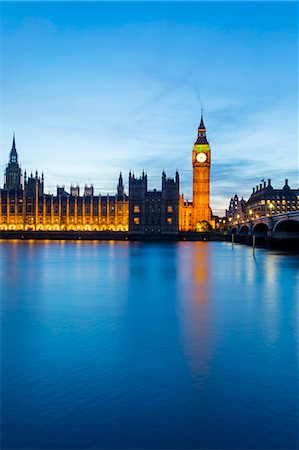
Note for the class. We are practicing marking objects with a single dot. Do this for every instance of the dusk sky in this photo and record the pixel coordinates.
(92, 89)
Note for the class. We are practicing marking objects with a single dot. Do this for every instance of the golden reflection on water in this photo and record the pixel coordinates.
(194, 271)
(200, 269)
(193, 295)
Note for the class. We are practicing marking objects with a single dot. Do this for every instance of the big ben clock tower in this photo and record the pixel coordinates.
(201, 162)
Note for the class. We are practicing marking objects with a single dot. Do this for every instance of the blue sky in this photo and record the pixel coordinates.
(92, 89)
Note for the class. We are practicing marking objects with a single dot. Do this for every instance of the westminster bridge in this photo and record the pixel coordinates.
(283, 226)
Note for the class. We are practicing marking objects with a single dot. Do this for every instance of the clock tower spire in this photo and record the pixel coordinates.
(201, 162)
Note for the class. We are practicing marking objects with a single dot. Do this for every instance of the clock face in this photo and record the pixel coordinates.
(201, 157)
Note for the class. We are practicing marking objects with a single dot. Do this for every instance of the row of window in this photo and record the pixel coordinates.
(284, 202)
(153, 222)
(31, 208)
(102, 221)
(64, 203)
(136, 209)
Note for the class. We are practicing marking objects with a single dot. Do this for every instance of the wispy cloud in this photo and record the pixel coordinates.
(92, 93)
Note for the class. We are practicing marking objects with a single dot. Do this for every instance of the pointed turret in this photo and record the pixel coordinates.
(120, 186)
(177, 180)
(13, 171)
(201, 132)
(286, 185)
(201, 125)
(13, 156)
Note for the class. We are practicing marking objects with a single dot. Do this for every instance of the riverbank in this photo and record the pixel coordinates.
(291, 245)
(109, 235)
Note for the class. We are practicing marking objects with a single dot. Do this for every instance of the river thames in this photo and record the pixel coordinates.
(118, 345)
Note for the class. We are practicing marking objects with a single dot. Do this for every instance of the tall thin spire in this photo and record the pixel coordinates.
(201, 125)
(13, 171)
(13, 156)
(201, 132)
(120, 186)
(13, 142)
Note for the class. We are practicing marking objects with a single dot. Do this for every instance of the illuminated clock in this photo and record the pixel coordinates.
(201, 157)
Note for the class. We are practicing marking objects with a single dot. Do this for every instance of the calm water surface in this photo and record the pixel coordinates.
(160, 346)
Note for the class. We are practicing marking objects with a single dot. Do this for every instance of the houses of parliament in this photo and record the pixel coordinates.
(25, 206)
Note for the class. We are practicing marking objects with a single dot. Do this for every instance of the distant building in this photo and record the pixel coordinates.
(264, 201)
(236, 208)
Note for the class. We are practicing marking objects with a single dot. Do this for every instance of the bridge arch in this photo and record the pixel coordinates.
(244, 229)
(286, 228)
(260, 229)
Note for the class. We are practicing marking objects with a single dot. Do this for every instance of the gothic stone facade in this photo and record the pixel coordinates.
(153, 212)
(25, 206)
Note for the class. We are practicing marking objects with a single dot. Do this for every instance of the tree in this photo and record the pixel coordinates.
(203, 226)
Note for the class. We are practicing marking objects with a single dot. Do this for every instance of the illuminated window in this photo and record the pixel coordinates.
(169, 220)
(136, 220)
(136, 209)
(169, 208)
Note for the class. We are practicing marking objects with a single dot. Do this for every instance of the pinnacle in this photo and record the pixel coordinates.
(201, 125)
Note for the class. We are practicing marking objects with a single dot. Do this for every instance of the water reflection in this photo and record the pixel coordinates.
(194, 301)
(179, 345)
